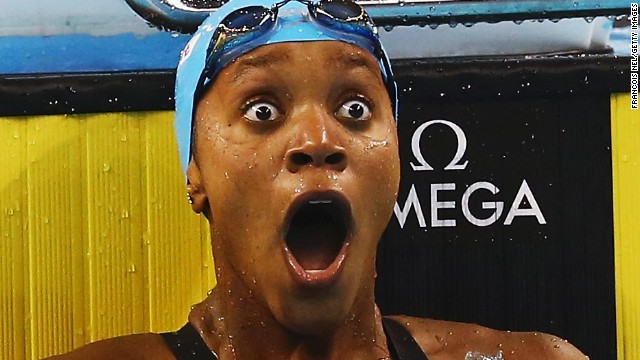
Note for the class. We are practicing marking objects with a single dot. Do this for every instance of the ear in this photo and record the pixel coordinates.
(195, 189)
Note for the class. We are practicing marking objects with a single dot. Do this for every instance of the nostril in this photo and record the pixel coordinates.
(334, 159)
(301, 158)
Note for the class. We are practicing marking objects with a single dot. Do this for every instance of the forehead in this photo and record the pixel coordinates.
(289, 55)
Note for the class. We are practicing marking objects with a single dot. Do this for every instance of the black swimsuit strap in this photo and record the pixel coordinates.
(400, 342)
(187, 344)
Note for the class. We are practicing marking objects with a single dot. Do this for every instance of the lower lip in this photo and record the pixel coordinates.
(316, 278)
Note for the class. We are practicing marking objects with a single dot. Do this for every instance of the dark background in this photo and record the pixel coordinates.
(540, 124)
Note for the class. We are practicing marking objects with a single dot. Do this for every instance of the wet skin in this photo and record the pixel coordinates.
(282, 125)
(247, 174)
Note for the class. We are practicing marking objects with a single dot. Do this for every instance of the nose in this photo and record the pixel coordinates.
(318, 149)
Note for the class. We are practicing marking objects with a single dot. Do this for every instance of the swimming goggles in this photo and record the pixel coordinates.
(246, 24)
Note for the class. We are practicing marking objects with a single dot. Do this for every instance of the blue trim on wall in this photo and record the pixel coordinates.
(81, 53)
(87, 53)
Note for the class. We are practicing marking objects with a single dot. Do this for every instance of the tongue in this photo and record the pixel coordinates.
(314, 238)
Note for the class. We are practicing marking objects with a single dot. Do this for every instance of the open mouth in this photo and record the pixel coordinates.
(318, 228)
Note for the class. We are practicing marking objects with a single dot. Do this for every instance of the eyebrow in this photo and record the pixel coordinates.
(353, 60)
(248, 64)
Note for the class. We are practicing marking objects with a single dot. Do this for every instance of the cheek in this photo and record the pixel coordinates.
(376, 178)
(238, 180)
(378, 163)
(385, 193)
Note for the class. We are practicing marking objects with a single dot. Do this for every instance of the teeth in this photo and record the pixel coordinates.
(314, 271)
(315, 202)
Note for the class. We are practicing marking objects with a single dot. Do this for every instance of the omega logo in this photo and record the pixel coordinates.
(455, 162)
(413, 202)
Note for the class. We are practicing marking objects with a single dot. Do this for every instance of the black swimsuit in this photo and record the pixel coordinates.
(187, 344)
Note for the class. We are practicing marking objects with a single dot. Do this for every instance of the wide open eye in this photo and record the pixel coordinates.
(355, 110)
(261, 112)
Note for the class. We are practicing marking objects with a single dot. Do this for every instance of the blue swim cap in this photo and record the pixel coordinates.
(293, 24)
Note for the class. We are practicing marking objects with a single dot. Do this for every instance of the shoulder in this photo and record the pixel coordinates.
(442, 340)
(139, 347)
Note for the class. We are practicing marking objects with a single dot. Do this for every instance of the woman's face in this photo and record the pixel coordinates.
(296, 155)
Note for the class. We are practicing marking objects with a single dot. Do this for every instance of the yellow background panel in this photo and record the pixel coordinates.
(12, 237)
(625, 141)
(97, 238)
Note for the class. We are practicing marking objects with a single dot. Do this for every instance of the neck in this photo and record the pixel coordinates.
(237, 325)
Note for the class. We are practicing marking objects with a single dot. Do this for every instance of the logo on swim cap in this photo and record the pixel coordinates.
(186, 53)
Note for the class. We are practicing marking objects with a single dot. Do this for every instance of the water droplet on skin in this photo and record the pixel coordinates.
(474, 355)
(106, 167)
(376, 143)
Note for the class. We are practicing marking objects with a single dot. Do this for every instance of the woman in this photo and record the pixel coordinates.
(285, 119)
